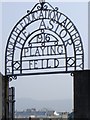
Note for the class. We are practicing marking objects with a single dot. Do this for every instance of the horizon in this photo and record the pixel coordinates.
(58, 105)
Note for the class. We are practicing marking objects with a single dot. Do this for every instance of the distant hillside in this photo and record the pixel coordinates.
(58, 105)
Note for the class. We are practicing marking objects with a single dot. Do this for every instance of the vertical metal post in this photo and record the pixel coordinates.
(12, 103)
(82, 95)
(6, 97)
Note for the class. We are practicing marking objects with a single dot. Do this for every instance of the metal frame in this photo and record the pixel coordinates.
(45, 41)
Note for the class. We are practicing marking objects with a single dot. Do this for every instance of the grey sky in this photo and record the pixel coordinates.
(45, 0)
(49, 86)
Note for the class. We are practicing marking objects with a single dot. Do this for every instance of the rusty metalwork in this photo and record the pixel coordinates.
(45, 41)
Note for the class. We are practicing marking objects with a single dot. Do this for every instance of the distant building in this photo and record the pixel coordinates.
(33, 112)
(41, 114)
(64, 115)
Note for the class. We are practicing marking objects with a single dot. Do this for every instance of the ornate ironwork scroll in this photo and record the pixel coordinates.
(44, 41)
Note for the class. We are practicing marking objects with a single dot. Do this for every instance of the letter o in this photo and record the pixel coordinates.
(63, 33)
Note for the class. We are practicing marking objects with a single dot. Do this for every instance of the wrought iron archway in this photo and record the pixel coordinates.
(44, 41)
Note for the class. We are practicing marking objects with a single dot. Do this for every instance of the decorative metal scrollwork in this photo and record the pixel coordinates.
(44, 41)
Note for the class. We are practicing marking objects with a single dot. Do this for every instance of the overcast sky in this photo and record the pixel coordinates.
(49, 86)
(45, 0)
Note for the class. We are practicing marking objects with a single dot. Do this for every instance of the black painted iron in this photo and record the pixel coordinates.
(45, 41)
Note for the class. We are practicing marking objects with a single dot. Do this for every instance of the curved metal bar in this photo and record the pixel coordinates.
(44, 6)
(34, 37)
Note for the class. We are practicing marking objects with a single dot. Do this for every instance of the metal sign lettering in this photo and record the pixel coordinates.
(44, 41)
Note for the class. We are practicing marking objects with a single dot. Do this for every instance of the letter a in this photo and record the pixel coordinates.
(42, 25)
